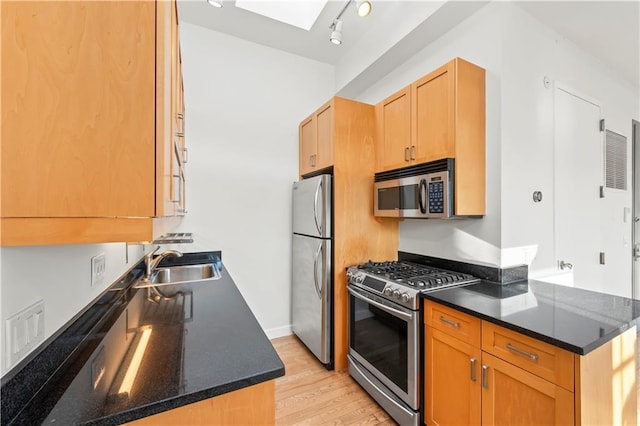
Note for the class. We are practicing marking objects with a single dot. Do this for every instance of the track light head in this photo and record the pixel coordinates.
(216, 3)
(336, 34)
(363, 8)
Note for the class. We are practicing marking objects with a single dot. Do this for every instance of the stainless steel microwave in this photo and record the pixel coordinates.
(424, 191)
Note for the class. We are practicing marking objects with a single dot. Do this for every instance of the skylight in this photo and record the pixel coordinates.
(301, 14)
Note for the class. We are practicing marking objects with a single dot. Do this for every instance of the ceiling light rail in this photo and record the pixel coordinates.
(363, 8)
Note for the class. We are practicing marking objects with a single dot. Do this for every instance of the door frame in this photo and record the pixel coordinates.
(635, 174)
(570, 90)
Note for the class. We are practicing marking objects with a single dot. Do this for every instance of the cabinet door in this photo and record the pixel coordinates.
(324, 129)
(307, 145)
(78, 111)
(394, 131)
(433, 99)
(452, 380)
(513, 396)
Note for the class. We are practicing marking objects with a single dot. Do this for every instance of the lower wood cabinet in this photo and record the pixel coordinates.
(253, 405)
(513, 396)
(452, 386)
(478, 373)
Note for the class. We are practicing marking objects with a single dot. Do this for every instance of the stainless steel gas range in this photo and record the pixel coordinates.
(384, 330)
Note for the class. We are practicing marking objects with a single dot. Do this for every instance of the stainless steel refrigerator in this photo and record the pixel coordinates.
(312, 274)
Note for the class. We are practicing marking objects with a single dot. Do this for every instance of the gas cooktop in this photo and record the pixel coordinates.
(401, 282)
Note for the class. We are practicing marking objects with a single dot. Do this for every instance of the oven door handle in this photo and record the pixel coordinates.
(387, 309)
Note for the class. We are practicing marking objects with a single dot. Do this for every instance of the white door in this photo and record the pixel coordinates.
(578, 152)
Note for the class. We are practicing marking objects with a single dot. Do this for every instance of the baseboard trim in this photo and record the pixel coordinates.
(274, 333)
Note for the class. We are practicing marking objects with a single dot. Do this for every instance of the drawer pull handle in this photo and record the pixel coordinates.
(472, 366)
(406, 154)
(450, 323)
(485, 383)
(413, 152)
(512, 348)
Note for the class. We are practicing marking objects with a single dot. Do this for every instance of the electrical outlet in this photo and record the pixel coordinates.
(24, 331)
(98, 267)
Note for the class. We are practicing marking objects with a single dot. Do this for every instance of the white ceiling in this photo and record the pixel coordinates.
(608, 30)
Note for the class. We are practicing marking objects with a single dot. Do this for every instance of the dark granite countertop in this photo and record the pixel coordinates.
(202, 340)
(570, 318)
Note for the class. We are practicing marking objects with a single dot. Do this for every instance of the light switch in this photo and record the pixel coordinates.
(24, 331)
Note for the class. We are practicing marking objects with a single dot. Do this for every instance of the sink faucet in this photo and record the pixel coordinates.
(150, 263)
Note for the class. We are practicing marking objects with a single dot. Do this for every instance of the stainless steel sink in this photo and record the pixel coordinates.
(181, 275)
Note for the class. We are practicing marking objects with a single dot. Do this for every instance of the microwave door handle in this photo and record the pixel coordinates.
(315, 208)
(422, 201)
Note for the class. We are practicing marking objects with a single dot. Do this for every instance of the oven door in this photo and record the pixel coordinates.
(383, 337)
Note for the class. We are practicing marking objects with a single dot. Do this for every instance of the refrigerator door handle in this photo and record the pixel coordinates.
(315, 207)
(315, 271)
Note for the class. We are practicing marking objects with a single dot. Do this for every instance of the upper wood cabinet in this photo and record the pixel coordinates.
(87, 132)
(316, 140)
(393, 116)
(441, 115)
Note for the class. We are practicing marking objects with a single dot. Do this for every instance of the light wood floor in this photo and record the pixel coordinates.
(308, 394)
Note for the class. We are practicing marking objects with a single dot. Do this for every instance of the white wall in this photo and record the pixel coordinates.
(531, 51)
(243, 105)
(518, 52)
(477, 40)
(58, 275)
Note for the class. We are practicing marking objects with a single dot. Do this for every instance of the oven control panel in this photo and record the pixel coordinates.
(397, 293)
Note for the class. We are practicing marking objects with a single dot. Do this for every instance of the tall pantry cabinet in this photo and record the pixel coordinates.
(341, 134)
(90, 103)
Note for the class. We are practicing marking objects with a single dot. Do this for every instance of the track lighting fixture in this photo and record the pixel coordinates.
(336, 34)
(215, 3)
(363, 9)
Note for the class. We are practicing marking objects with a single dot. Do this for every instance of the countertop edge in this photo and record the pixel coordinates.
(177, 402)
(544, 338)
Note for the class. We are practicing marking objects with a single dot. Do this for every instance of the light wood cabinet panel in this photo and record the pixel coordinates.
(317, 140)
(433, 132)
(325, 138)
(552, 389)
(394, 137)
(452, 380)
(455, 323)
(606, 383)
(87, 134)
(307, 144)
(253, 405)
(350, 128)
(542, 359)
(513, 396)
(441, 115)
(78, 115)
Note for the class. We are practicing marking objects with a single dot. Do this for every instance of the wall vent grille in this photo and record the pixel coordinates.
(615, 161)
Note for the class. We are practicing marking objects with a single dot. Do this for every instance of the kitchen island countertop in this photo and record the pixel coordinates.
(197, 340)
(573, 319)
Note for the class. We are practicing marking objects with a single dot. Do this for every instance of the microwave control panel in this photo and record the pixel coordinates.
(436, 197)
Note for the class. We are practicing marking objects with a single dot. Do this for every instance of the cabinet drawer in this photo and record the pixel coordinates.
(455, 323)
(542, 359)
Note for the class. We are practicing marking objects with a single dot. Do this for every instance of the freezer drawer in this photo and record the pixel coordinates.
(311, 294)
(312, 207)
